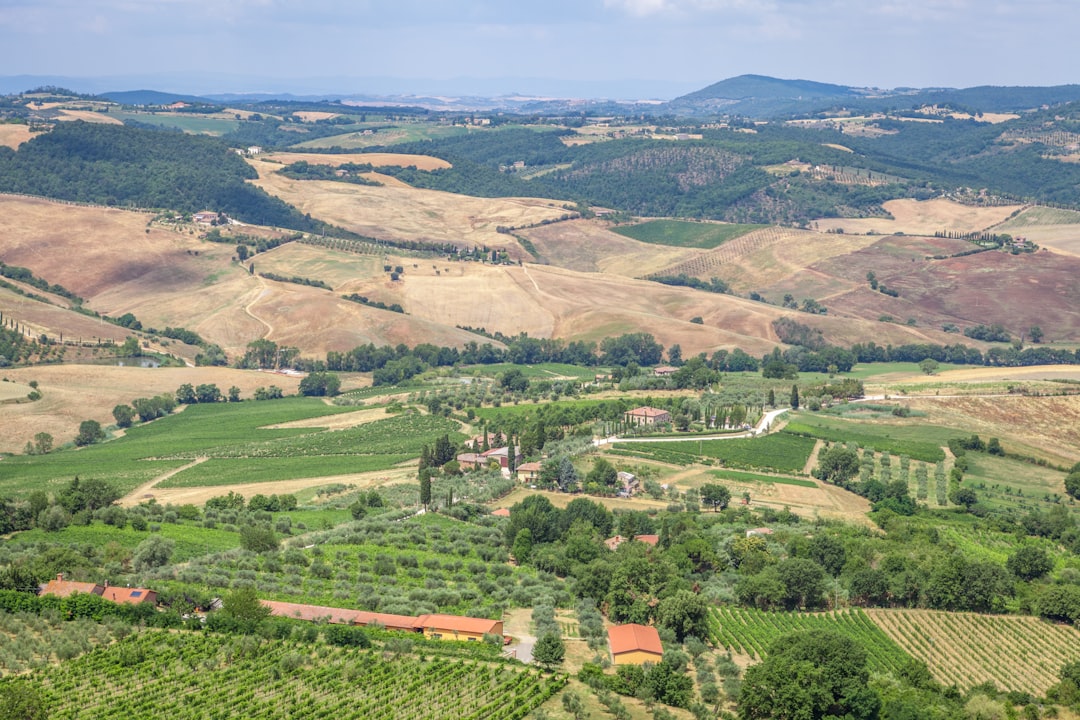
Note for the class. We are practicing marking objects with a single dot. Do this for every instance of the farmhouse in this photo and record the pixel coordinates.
(634, 644)
(63, 588)
(628, 483)
(470, 461)
(664, 371)
(761, 531)
(205, 218)
(476, 442)
(502, 456)
(528, 472)
(129, 595)
(647, 416)
(614, 542)
(456, 627)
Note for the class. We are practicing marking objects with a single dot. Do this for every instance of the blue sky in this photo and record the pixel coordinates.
(613, 48)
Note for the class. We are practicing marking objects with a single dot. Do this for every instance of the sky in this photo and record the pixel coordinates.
(631, 49)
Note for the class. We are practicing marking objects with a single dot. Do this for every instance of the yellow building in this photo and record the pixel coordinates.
(456, 627)
(634, 644)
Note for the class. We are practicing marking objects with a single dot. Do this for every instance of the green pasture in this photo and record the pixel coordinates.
(917, 441)
(191, 541)
(220, 430)
(193, 124)
(542, 371)
(746, 477)
(679, 233)
(397, 135)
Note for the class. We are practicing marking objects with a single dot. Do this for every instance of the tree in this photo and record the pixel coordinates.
(993, 447)
(319, 384)
(603, 474)
(568, 477)
(804, 583)
(90, 432)
(43, 443)
(523, 545)
(19, 700)
(1072, 484)
(810, 675)
(185, 394)
(258, 538)
(234, 394)
(243, 606)
(838, 465)
(716, 495)
(1035, 334)
(444, 451)
(549, 651)
(124, 415)
(1029, 563)
(208, 393)
(929, 366)
(794, 397)
(685, 614)
(964, 496)
(425, 487)
(358, 510)
(155, 551)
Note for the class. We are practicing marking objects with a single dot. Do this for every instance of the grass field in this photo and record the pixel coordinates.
(678, 233)
(234, 434)
(542, 371)
(385, 136)
(745, 477)
(917, 441)
(189, 123)
(1016, 653)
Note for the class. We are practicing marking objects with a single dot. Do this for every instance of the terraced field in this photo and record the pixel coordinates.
(1014, 652)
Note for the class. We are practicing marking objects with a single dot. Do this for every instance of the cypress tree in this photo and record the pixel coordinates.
(794, 397)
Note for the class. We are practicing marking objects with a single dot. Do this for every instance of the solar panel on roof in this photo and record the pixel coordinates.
(136, 593)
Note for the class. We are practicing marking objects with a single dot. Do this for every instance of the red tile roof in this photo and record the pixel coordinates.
(339, 616)
(633, 637)
(388, 621)
(459, 623)
(501, 512)
(529, 467)
(618, 540)
(62, 588)
(131, 596)
(647, 412)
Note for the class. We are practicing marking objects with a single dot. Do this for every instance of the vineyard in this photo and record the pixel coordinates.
(1016, 653)
(780, 451)
(746, 631)
(183, 675)
(706, 263)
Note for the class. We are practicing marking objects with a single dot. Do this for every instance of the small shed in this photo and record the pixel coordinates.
(634, 644)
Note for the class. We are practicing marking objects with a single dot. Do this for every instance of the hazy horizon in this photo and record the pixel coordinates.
(627, 49)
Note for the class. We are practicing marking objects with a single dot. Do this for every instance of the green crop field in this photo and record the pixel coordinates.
(148, 450)
(678, 233)
(194, 124)
(919, 442)
(781, 451)
(190, 541)
(541, 371)
(396, 135)
(183, 675)
(745, 477)
(747, 631)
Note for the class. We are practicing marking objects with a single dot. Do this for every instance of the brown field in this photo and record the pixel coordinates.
(1047, 427)
(421, 162)
(410, 214)
(13, 391)
(13, 136)
(589, 246)
(89, 116)
(1014, 652)
(199, 495)
(313, 115)
(1051, 228)
(73, 393)
(915, 217)
(844, 148)
(775, 263)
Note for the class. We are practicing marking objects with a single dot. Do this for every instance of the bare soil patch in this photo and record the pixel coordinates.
(10, 391)
(337, 422)
(925, 217)
(420, 162)
(89, 116)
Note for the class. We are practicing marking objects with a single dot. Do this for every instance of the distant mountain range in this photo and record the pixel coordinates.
(753, 96)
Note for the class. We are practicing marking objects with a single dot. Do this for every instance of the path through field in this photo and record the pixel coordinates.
(142, 492)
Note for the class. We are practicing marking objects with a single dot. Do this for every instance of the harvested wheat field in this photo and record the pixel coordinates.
(420, 162)
(89, 116)
(923, 217)
(1045, 426)
(73, 393)
(409, 214)
(199, 495)
(589, 246)
(1013, 652)
(56, 321)
(13, 136)
(780, 261)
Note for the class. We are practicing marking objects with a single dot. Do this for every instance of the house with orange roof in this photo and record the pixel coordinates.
(456, 627)
(528, 472)
(647, 416)
(63, 588)
(634, 644)
(614, 542)
(501, 512)
(129, 595)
